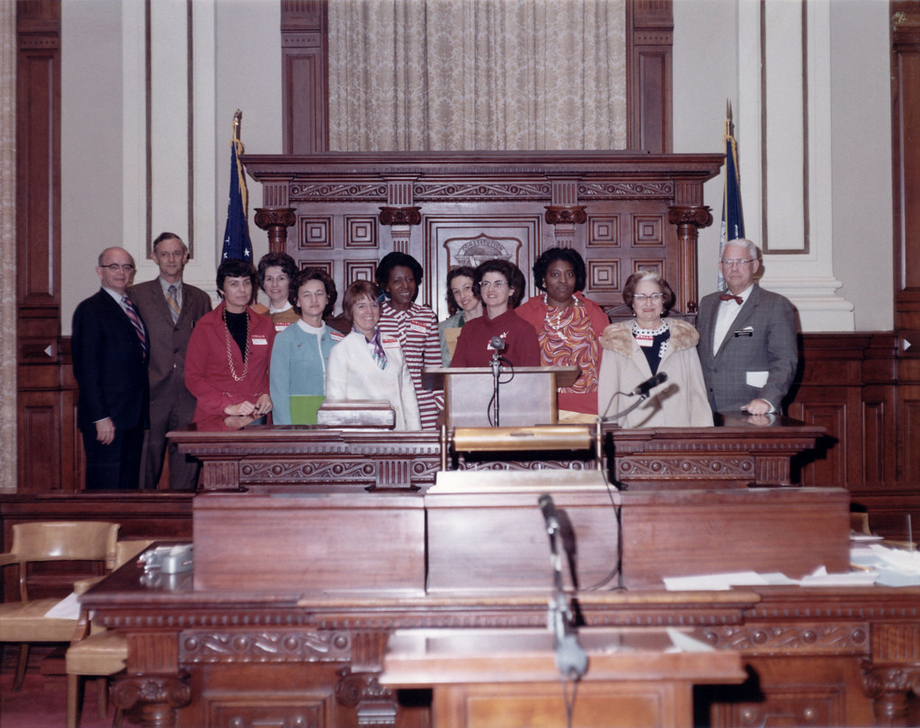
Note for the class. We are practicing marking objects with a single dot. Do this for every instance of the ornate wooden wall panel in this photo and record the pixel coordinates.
(38, 251)
(649, 43)
(905, 121)
(622, 211)
(304, 60)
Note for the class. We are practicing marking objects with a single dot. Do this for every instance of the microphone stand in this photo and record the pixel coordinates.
(570, 657)
(496, 372)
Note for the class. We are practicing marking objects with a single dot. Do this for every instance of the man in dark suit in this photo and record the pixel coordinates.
(170, 309)
(109, 346)
(748, 346)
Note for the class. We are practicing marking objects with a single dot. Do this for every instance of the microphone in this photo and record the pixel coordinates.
(498, 344)
(643, 389)
(571, 658)
(549, 512)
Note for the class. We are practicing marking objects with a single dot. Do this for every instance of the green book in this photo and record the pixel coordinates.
(304, 407)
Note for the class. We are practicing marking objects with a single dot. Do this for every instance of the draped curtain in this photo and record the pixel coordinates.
(416, 75)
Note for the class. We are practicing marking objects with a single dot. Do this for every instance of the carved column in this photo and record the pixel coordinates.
(689, 220)
(275, 221)
(400, 220)
(400, 213)
(375, 705)
(890, 687)
(564, 218)
(152, 699)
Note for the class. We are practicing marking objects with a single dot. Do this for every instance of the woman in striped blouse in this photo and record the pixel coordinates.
(415, 326)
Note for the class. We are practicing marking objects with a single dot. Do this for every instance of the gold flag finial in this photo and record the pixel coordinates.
(237, 121)
(729, 124)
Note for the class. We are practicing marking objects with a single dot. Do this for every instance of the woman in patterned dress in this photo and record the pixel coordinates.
(415, 326)
(568, 326)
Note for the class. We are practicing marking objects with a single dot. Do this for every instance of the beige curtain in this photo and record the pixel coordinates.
(477, 74)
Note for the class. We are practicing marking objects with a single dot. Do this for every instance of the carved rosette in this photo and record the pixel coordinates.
(275, 221)
(890, 687)
(152, 698)
(566, 215)
(400, 216)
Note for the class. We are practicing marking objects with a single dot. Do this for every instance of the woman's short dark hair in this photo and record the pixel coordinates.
(649, 275)
(282, 260)
(391, 261)
(357, 291)
(512, 275)
(234, 268)
(460, 270)
(572, 257)
(313, 274)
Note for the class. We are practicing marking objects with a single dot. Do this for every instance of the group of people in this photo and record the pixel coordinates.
(245, 360)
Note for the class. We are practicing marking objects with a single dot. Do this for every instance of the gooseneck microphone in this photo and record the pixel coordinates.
(643, 389)
(571, 658)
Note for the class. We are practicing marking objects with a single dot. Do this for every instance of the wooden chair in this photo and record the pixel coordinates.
(24, 621)
(97, 652)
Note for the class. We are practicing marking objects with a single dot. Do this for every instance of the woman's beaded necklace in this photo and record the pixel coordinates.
(227, 337)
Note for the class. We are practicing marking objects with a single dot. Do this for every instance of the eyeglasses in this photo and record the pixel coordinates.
(737, 263)
(642, 297)
(126, 267)
(493, 284)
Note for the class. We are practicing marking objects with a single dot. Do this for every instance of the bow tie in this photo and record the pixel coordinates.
(730, 297)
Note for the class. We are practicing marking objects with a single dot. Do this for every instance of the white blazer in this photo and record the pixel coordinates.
(352, 373)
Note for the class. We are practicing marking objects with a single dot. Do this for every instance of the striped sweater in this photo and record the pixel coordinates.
(417, 331)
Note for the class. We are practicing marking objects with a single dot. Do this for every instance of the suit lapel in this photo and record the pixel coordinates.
(117, 314)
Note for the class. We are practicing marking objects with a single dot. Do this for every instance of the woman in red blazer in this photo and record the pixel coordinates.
(226, 367)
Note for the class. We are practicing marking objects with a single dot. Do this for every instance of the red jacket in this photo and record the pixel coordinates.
(207, 371)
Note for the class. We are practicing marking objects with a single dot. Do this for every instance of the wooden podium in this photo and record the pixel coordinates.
(527, 395)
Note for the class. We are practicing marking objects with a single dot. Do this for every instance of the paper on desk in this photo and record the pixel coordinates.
(67, 608)
(685, 643)
(721, 582)
(820, 577)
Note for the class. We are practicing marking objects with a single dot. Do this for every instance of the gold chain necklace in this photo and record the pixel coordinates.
(237, 378)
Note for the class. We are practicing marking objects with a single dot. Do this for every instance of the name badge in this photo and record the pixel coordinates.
(258, 340)
(744, 334)
(418, 328)
(645, 340)
(390, 341)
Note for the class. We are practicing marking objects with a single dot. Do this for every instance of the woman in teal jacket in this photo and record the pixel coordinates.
(301, 351)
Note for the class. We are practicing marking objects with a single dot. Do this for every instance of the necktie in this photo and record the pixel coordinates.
(173, 300)
(730, 297)
(135, 322)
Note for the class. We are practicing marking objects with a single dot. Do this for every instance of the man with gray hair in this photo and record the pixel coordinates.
(170, 308)
(109, 345)
(748, 348)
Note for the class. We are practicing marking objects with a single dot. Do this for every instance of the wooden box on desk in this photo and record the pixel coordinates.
(334, 542)
(686, 532)
(486, 531)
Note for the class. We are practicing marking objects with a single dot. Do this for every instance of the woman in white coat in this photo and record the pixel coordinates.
(634, 351)
(368, 364)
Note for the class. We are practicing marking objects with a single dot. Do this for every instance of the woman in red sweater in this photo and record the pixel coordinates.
(500, 285)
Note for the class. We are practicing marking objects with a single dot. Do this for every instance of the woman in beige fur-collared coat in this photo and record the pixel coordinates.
(634, 351)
